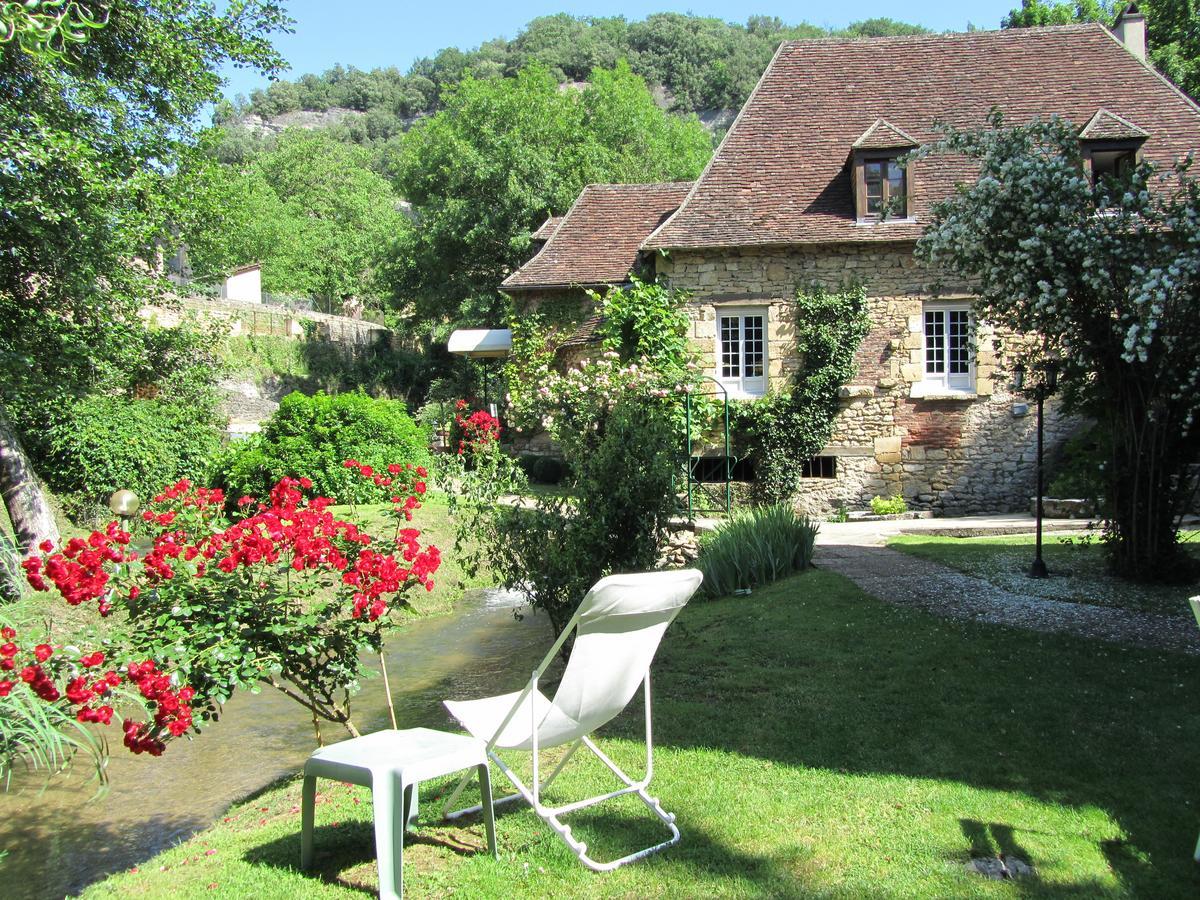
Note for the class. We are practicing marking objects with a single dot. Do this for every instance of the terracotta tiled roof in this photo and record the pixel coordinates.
(1108, 126)
(782, 174)
(546, 229)
(597, 242)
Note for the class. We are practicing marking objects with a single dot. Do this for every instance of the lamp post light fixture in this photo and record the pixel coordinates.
(1047, 384)
(124, 504)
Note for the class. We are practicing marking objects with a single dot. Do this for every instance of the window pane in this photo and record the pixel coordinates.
(1112, 163)
(896, 188)
(730, 339)
(958, 342)
(873, 175)
(935, 342)
(752, 353)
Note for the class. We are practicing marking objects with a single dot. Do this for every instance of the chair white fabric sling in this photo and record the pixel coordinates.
(617, 627)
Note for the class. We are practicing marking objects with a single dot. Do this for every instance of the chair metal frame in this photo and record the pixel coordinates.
(533, 796)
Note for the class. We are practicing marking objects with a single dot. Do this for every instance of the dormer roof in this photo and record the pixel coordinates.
(1108, 126)
(597, 242)
(547, 228)
(883, 135)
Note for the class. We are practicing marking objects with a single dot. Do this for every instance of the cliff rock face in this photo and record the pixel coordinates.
(303, 118)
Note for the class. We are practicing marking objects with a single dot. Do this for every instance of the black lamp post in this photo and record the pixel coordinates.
(1047, 384)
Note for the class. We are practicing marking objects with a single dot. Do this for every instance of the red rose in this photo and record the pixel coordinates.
(43, 652)
(6, 688)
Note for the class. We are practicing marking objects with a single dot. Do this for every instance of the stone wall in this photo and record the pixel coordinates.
(951, 453)
(243, 318)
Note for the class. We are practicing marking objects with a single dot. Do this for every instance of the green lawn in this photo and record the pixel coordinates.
(1076, 564)
(813, 741)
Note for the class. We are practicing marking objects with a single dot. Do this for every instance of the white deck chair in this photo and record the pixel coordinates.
(618, 628)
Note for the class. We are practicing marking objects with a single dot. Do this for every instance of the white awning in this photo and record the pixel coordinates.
(481, 343)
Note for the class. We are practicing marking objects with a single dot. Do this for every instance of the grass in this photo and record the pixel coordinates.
(1076, 564)
(813, 741)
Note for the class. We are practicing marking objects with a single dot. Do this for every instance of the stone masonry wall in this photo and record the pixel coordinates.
(955, 454)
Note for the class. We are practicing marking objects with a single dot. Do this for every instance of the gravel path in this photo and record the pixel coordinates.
(904, 580)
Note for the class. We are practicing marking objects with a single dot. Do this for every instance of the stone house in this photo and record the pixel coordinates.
(796, 194)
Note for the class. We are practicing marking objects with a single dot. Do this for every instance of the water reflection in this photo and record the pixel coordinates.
(60, 840)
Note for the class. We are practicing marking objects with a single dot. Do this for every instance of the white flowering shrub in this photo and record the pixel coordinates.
(1104, 277)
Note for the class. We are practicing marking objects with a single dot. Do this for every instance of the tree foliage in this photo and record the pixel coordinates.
(1172, 30)
(502, 155)
(700, 62)
(86, 141)
(1105, 276)
(88, 132)
(309, 209)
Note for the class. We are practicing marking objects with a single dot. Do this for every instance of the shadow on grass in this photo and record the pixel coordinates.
(348, 847)
(813, 673)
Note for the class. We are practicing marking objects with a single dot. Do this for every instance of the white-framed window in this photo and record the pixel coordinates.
(742, 351)
(949, 360)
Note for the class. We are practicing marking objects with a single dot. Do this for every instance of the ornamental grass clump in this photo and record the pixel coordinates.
(278, 592)
(755, 548)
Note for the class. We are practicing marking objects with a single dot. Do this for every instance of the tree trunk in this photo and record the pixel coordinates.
(1148, 491)
(28, 510)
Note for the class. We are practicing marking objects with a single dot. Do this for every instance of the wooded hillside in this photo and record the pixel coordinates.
(696, 64)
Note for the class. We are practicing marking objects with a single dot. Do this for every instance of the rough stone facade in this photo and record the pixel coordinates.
(957, 453)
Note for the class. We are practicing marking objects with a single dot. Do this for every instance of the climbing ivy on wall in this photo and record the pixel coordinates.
(643, 349)
(786, 428)
(645, 321)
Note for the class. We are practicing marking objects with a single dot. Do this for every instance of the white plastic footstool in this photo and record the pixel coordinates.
(391, 763)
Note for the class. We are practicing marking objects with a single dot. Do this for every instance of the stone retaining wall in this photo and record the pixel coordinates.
(258, 319)
(954, 454)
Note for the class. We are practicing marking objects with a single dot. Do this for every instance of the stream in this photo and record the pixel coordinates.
(63, 838)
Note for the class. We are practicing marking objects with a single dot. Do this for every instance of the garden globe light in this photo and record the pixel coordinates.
(124, 503)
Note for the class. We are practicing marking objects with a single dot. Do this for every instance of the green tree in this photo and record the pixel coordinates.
(502, 155)
(1106, 277)
(310, 210)
(1172, 30)
(699, 62)
(87, 135)
(1040, 14)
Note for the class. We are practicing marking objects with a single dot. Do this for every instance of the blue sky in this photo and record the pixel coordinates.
(370, 33)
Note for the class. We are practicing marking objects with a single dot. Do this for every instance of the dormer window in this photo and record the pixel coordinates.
(1110, 159)
(884, 188)
(1111, 145)
(881, 185)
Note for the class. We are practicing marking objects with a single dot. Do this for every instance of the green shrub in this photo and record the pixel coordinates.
(101, 444)
(755, 548)
(543, 469)
(314, 435)
(888, 506)
(622, 483)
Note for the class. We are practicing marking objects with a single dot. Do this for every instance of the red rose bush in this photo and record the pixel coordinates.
(278, 591)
